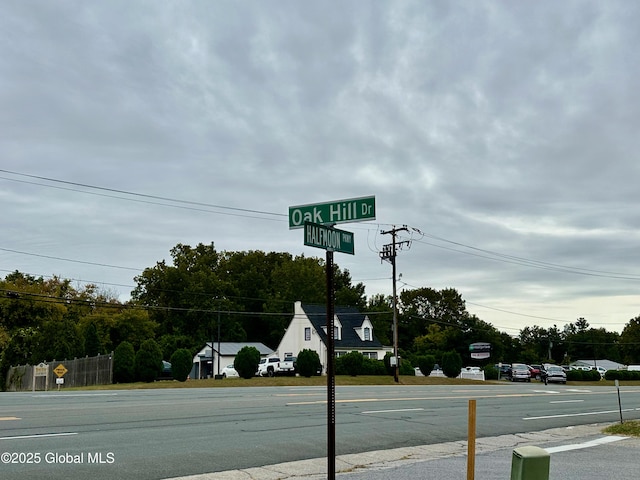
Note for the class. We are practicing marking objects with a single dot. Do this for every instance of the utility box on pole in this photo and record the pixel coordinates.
(530, 463)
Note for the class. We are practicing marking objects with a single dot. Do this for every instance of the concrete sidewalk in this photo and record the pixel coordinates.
(449, 460)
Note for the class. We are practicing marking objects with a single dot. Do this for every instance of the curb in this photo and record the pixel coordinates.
(316, 468)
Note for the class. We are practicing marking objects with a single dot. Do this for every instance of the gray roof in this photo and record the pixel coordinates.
(350, 318)
(232, 348)
(608, 364)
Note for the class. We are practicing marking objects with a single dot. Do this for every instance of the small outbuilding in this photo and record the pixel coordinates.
(209, 361)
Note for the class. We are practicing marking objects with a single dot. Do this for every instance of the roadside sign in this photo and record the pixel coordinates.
(480, 350)
(339, 211)
(332, 239)
(41, 370)
(60, 370)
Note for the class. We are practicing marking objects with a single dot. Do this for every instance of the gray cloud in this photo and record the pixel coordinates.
(503, 126)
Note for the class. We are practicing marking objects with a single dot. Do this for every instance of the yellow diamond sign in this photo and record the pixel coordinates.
(60, 370)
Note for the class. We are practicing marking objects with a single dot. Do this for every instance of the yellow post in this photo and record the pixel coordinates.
(471, 441)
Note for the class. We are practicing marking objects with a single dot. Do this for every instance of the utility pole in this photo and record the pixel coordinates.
(389, 253)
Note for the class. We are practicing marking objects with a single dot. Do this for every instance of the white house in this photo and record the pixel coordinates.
(224, 353)
(353, 331)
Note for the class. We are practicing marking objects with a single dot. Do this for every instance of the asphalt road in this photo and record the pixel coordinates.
(155, 434)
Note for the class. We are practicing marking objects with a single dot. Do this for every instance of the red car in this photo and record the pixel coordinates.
(535, 371)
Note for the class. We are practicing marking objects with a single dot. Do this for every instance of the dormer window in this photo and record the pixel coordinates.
(367, 334)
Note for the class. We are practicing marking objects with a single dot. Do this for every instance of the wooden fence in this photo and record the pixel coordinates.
(79, 372)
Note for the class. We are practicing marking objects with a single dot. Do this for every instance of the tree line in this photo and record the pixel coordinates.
(249, 296)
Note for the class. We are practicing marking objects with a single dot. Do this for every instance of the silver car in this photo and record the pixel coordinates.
(519, 372)
(553, 373)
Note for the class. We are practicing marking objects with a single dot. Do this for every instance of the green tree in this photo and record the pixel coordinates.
(424, 306)
(246, 362)
(132, 325)
(181, 364)
(124, 363)
(630, 340)
(451, 364)
(380, 311)
(92, 345)
(308, 363)
(58, 340)
(148, 361)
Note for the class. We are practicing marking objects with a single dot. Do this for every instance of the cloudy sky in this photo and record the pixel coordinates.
(503, 134)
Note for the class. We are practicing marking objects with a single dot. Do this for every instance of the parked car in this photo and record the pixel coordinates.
(504, 370)
(584, 368)
(288, 366)
(553, 373)
(535, 371)
(601, 371)
(166, 371)
(268, 367)
(229, 372)
(519, 372)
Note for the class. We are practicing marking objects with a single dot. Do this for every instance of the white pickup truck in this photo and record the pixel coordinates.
(288, 365)
(268, 367)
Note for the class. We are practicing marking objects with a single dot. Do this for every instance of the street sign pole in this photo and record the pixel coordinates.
(318, 221)
(331, 379)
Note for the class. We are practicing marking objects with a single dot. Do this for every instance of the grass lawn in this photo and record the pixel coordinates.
(630, 428)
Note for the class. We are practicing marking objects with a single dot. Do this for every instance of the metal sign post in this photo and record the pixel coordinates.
(331, 376)
(318, 220)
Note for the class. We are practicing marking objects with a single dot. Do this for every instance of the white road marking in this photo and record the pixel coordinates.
(393, 411)
(67, 395)
(578, 414)
(43, 435)
(592, 443)
(566, 401)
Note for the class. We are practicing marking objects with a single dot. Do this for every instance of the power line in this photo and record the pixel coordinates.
(512, 259)
(136, 194)
(51, 257)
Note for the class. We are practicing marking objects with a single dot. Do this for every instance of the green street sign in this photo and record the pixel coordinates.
(340, 211)
(320, 236)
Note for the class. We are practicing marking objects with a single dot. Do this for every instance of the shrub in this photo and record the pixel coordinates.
(451, 364)
(490, 372)
(612, 375)
(406, 368)
(352, 363)
(373, 367)
(574, 376)
(308, 363)
(124, 363)
(387, 363)
(592, 376)
(246, 362)
(426, 364)
(181, 364)
(148, 361)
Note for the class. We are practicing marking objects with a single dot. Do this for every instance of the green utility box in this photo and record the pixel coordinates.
(530, 463)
